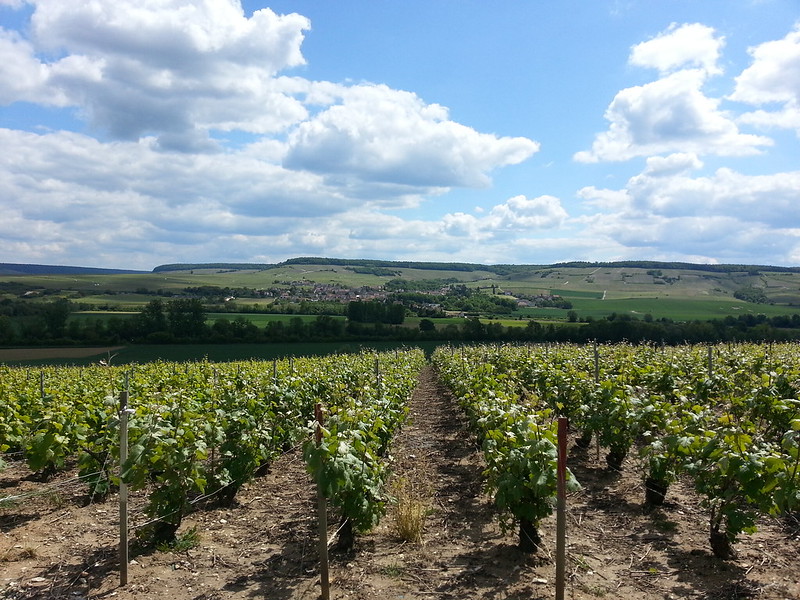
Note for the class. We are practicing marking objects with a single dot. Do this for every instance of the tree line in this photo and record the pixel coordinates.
(185, 321)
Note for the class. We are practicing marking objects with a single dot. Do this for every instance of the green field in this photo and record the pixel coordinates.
(676, 309)
(679, 294)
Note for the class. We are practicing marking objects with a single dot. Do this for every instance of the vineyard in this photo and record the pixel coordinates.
(684, 474)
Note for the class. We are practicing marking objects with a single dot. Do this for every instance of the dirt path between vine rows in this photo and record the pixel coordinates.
(55, 544)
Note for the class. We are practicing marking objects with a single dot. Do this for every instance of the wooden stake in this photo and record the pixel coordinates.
(710, 362)
(561, 509)
(123, 487)
(322, 518)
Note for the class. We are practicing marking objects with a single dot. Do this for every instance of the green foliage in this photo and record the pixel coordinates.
(517, 434)
(374, 311)
(366, 407)
(751, 294)
(184, 541)
(726, 417)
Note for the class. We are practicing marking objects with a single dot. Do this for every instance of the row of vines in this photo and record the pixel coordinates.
(199, 431)
(725, 417)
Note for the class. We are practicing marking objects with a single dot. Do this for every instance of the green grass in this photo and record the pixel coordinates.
(183, 541)
(674, 308)
(577, 294)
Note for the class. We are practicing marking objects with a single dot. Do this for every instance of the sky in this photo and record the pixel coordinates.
(136, 133)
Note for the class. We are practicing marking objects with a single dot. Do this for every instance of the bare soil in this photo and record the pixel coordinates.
(57, 544)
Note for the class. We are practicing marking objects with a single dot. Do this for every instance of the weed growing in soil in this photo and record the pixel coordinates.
(17, 553)
(184, 541)
(410, 511)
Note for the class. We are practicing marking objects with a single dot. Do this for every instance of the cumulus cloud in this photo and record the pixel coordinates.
(721, 239)
(170, 67)
(518, 215)
(725, 214)
(668, 115)
(380, 134)
(672, 113)
(23, 76)
(68, 195)
(690, 45)
(162, 84)
(773, 77)
(202, 142)
(183, 74)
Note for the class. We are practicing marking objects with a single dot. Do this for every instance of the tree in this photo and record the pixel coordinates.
(427, 325)
(55, 316)
(187, 318)
(6, 330)
(473, 329)
(152, 318)
(325, 326)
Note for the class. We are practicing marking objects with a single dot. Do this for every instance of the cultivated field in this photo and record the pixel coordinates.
(679, 293)
(59, 542)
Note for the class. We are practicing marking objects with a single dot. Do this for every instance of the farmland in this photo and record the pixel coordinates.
(678, 293)
(471, 416)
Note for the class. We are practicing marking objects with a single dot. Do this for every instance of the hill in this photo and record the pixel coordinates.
(679, 291)
(28, 269)
(499, 269)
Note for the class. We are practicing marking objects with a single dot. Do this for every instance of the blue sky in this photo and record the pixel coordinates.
(143, 132)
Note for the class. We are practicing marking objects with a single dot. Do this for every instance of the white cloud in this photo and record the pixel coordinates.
(727, 216)
(525, 214)
(185, 39)
(175, 68)
(208, 147)
(772, 200)
(517, 216)
(672, 164)
(21, 74)
(721, 239)
(69, 195)
(191, 73)
(604, 199)
(671, 114)
(773, 77)
(380, 134)
(70, 178)
(690, 45)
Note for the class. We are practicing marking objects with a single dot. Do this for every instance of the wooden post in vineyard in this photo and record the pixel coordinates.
(123, 487)
(596, 364)
(561, 509)
(710, 362)
(378, 377)
(322, 518)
